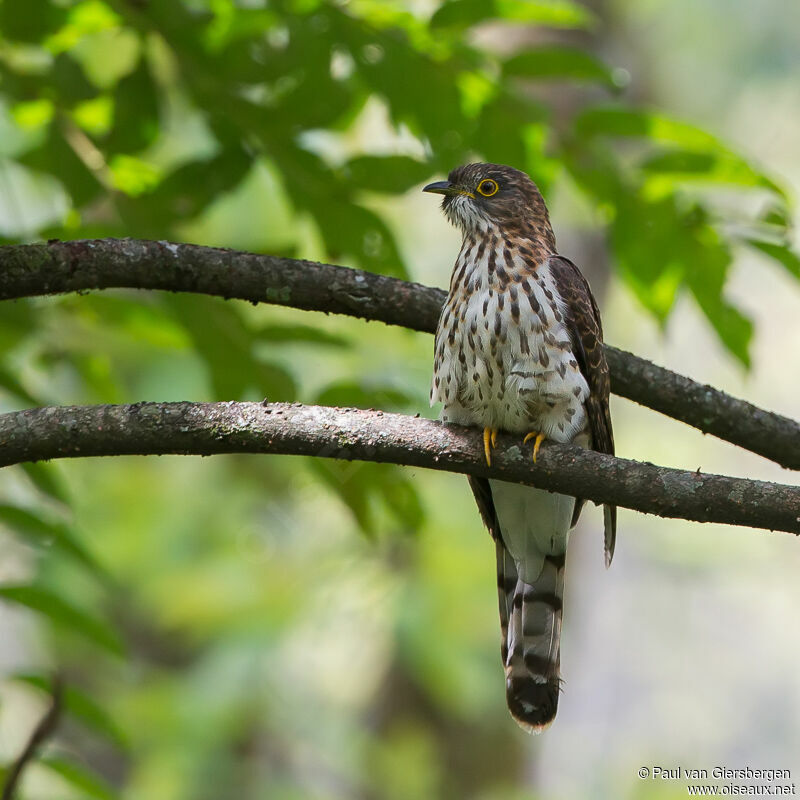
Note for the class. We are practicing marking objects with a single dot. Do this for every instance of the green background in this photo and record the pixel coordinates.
(263, 627)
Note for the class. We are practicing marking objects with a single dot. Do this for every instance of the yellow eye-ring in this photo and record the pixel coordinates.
(488, 187)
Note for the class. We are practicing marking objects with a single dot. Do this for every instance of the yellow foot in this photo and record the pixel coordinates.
(540, 437)
(489, 440)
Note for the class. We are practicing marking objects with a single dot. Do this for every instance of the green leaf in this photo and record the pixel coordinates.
(46, 479)
(461, 14)
(605, 121)
(777, 215)
(108, 55)
(43, 532)
(79, 777)
(560, 63)
(80, 706)
(95, 116)
(132, 175)
(359, 395)
(693, 143)
(30, 20)
(362, 489)
(64, 614)
(419, 91)
(356, 232)
(391, 174)
(233, 24)
(503, 126)
(781, 253)
(721, 166)
(731, 325)
(403, 500)
(57, 158)
(224, 340)
(136, 121)
(184, 193)
(708, 260)
(299, 333)
(643, 238)
(9, 382)
(69, 81)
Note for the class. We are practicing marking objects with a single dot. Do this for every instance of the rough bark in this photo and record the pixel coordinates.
(57, 267)
(353, 434)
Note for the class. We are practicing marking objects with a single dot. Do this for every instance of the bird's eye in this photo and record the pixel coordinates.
(488, 187)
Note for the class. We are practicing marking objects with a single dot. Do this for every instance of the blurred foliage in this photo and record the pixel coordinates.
(200, 662)
(97, 96)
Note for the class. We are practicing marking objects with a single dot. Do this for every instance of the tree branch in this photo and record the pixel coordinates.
(352, 434)
(41, 733)
(55, 267)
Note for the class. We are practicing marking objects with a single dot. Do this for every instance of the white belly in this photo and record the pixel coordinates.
(506, 370)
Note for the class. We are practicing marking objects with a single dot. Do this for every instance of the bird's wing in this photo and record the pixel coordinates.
(586, 336)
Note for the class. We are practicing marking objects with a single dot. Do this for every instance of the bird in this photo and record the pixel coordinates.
(519, 349)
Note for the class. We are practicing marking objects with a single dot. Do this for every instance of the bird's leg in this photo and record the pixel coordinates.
(540, 437)
(489, 441)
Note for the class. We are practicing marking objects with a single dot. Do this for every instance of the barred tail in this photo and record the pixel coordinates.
(530, 616)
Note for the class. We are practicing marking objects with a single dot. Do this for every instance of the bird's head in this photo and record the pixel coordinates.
(482, 197)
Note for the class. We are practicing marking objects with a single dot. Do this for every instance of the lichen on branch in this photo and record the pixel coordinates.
(354, 434)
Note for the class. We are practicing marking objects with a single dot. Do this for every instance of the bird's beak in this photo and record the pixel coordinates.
(446, 188)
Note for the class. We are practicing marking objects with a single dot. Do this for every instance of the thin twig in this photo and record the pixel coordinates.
(43, 731)
(57, 267)
(352, 434)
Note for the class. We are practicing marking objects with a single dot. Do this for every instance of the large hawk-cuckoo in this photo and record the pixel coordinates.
(519, 349)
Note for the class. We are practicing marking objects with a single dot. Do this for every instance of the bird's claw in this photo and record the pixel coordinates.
(489, 441)
(540, 437)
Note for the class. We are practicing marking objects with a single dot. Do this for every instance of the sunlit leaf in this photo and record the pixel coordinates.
(134, 176)
(33, 114)
(108, 56)
(721, 166)
(83, 19)
(95, 116)
(658, 128)
(232, 24)
(555, 14)
(619, 121)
